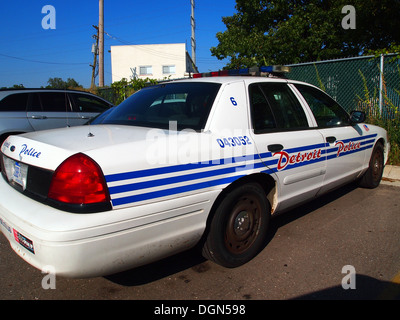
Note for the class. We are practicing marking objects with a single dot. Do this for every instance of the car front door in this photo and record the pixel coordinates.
(345, 142)
(291, 150)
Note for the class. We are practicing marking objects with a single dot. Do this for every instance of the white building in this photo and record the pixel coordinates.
(154, 61)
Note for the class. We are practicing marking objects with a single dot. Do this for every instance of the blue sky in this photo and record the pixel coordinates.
(30, 55)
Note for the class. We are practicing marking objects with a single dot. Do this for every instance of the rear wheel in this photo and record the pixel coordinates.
(239, 226)
(372, 177)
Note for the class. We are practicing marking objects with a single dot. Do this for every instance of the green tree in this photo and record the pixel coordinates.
(58, 83)
(15, 86)
(282, 32)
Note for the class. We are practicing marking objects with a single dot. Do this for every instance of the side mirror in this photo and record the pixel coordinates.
(357, 117)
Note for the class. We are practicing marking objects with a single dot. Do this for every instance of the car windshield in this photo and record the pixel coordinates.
(186, 103)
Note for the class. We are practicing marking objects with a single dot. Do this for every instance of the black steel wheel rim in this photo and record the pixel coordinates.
(377, 166)
(243, 224)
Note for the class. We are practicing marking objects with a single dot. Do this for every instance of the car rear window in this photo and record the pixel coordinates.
(14, 102)
(186, 103)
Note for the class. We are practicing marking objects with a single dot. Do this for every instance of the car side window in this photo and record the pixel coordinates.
(14, 102)
(86, 103)
(262, 117)
(54, 101)
(274, 106)
(327, 112)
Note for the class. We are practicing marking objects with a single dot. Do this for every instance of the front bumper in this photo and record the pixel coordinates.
(89, 245)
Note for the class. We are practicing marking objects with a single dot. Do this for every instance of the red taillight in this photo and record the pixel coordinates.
(79, 180)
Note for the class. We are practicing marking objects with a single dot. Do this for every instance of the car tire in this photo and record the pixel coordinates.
(239, 226)
(372, 177)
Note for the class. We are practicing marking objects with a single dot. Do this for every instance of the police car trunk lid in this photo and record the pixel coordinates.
(49, 148)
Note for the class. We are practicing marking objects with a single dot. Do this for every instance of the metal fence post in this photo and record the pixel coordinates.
(381, 84)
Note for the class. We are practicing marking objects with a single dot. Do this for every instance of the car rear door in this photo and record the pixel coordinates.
(289, 148)
(13, 114)
(346, 143)
(49, 110)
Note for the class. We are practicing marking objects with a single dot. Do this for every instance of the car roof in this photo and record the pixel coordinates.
(7, 91)
(227, 79)
(40, 90)
(246, 79)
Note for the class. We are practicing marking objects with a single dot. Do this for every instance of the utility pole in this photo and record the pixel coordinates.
(101, 43)
(95, 51)
(193, 24)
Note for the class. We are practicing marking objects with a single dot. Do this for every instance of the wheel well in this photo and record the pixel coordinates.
(385, 151)
(265, 181)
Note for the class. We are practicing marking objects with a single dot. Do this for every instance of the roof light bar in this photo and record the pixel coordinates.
(254, 71)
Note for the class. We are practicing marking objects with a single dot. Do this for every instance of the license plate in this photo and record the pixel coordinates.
(20, 174)
(16, 171)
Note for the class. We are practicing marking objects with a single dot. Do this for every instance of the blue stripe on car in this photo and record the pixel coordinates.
(261, 163)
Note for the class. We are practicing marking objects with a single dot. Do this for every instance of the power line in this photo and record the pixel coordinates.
(147, 48)
(43, 62)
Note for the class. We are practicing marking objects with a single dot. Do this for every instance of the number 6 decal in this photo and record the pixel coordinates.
(233, 101)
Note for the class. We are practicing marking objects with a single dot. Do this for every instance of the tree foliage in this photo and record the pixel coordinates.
(15, 86)
(282, 32)
(58, 83)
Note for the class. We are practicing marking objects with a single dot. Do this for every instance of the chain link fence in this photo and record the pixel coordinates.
(370, 84)
(356, 83)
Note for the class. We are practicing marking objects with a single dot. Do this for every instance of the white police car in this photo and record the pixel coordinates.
(205, 160)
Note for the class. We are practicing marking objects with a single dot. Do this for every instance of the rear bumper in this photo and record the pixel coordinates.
(89, 245)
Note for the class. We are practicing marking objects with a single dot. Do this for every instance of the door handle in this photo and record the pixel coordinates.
(275, 147)
(330, 139)
(38, 117)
